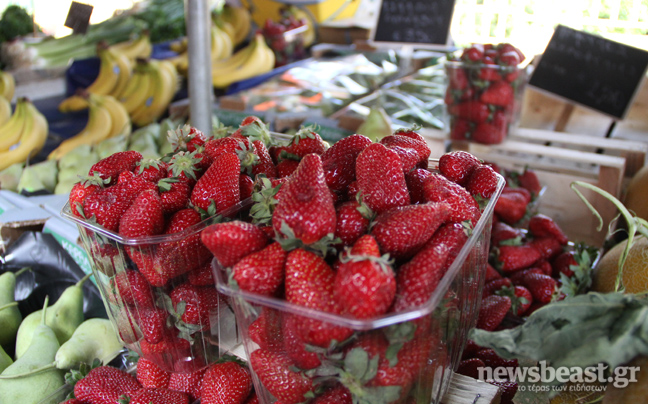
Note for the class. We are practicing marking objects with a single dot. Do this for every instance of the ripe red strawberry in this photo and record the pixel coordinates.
(306, 206)
(294, 345)
(199, 302)
(520, 191)
(493, 360)
(502, 231)
(549, 247)
(80, 192)
(189, 383)
(144, 217)
(132, 288)
(473, 53)
(482, 182)
(365, 285)
(381, 181)
(107, 205)
(151, 375)
(414, 180)
(457, 79)
(246, 186)
(492, 311)
(174, 193)
(351, 224)
(507, 47)
(457, 166)
(253, 127)
(72, 401)
(410, 360)
(218, 189)
(231, 241)
(511, 207)
(490, 71)
(463, 206)
(110, 167)
(267, 330)
(461, 130)
(339, 161)
(489, 133)
(216, 147)
(545, 266)
(152, 323)
(491, 273)
(305, 142)
(529, 181)
(202, 276)
(409, 142)
(225, 383)
(507, 388)
(158, 396)
(521, 298)
(470, 367)
(163, 352)
(516, 257)
(562, 264)
(543, 226)
(151, 170)
(104, 385)
(286, 167)
(186, 138)
(337, 394)
(408, 156)
(402, 231)
(261, 272)
(473, 111)
(493, 286)
(264, 165)
(517, 277)
(274, 370)
(499, 93)
(541, 286)
(310, 283)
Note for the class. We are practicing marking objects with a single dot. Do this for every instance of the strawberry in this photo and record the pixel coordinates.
(226, 383)
(186, 138)
(541, 286)
(294, 345)
(274, 371)
(151, 375)
(158, 396)
(529, 181)
(491, 273)
(144, 217)
(549, 247)
(189, 383)
(231, 241)
(507, 47)
(246, 186)
(517, 277)
(152, 323)
(407, 142)
(562, 264)
(460, 129)
(457, 79)
(216, 147)
(107, 205)
(351, 222)
(104, 385)
(404, 370)
(253, 127)
(174, 193)
(473, 111)
(163, 352)
(463, 206)
(454, 235)
(151, 170)
(493, 286)
(202, 276)
(110, 167)
(353, 191)
(254, 399)
(72, 401)
(402, 231)
(267, 330)
(365, 285)
(499, 93)
(310, 283)
(510, 58)
(521, 298)
(489, 133)
(483, 182)
(414, 180)
(473, 53)
(507, 388)
(133, 289)
(493, 360)
(516, 257)
(502, 232)
(457, 166)
(186, 165)
(304, 142)
(199, 303)
(306, 208)
(408, 156)
(218, 189)
(337, 394)
(264, 165)
(80, 192)
(545, 266)
(492, 311)
(261, 272)
(286, 167)
(490, 71)
(511, 207)
(544, 226)
(380, 178)
(339, 161)
(470, 367)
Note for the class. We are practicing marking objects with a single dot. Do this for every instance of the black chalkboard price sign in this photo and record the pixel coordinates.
(418, 22)
(78, 17)
(591, 71)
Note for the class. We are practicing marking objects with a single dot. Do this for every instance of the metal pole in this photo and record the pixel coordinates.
(200, 82)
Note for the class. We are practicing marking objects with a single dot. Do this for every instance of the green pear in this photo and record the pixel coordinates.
(5, 360)
(377, 125)
(93, 339)
(10, 316)
(63, 317)
(32, 378)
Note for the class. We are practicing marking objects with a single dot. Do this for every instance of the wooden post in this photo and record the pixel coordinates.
(563, 119)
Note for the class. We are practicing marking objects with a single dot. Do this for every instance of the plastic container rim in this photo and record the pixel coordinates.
(388, 319)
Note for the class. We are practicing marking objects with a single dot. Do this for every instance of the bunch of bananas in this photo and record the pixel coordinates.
(107, 118)
(23, 135)
(139, 47)
(222, 47)
(240, 20)
(7, 85)
(254, 59)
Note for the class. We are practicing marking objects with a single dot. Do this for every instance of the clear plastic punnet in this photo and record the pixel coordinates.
(159, 293)
(406, 356)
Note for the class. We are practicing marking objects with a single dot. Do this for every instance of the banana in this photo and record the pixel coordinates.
(125, 71)
(225, 66)
(109, 73)
(73, 103)
(256, 64)
(121, 123)
(11, 130)
(5, 110)
(228, 44)
(161, 92)
(240, 19)
(7, 85)
(32, 139)
(97, 129)
(179, 46)
(134, 94)
(171, 71)
(137, 48)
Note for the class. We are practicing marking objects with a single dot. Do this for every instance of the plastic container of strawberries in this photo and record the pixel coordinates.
(443, 323)
(148, 284)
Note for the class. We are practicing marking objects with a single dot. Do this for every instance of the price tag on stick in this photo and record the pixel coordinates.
(591, 71)
(78, 17)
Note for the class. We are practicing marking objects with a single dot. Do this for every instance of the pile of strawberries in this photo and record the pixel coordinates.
(358, 231)
(484, 86)
(226, 381)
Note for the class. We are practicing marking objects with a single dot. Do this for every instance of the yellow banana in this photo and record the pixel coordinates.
(240, 19)
(160, 94)
(228, 44)
(109, 73)
(11, 130)
(137, 48)
(171, 71)
(73, 103)
(256, 64)
(32, 139)
(179, 46)
(125, 71)
(181, 62)
(226, 66)
(217, 43)
(7, 85)
(5, 110)
(135, 93)
(97, 129)
(121, 123)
